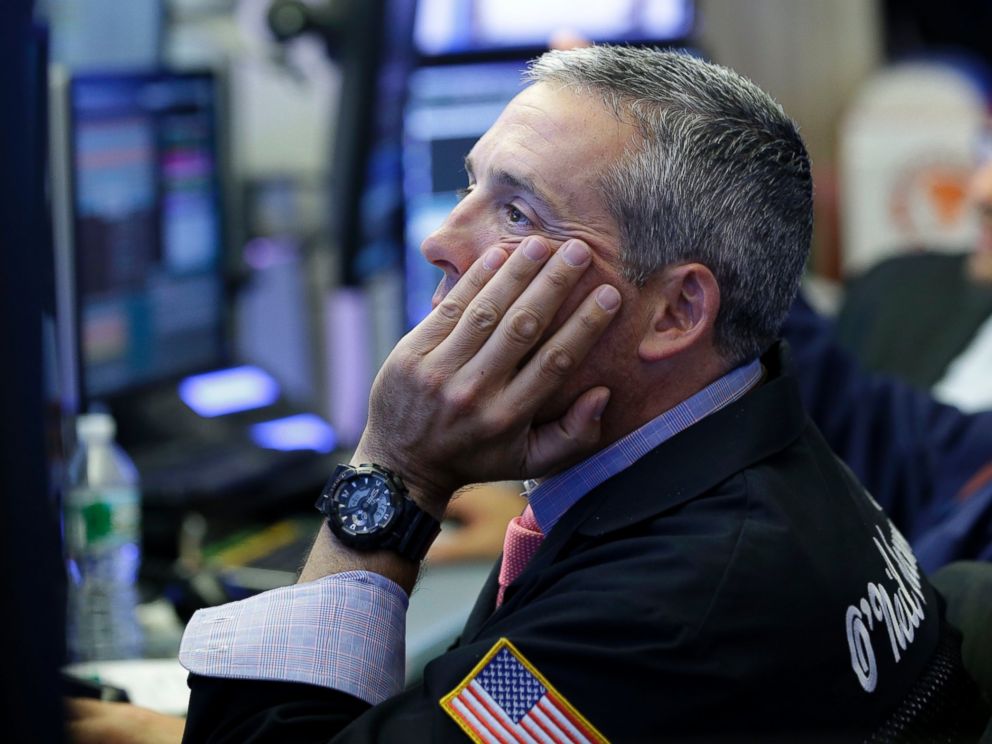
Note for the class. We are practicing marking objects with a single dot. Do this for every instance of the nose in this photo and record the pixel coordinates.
(452, 246)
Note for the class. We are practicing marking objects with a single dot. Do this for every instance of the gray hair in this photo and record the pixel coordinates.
(719, 176)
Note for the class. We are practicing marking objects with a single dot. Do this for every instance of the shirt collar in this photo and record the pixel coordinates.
(552, 497)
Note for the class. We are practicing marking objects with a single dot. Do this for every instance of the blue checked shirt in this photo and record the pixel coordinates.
(347, 631)
(553, 497)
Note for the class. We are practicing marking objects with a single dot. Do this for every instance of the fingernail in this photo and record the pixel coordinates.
(608, 298)
(597, 412)
(535, 249)
(494, 258)
(575, 253)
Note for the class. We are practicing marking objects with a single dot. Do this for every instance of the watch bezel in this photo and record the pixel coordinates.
(379, 535)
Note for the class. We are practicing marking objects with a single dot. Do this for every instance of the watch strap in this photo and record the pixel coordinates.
(413, 533)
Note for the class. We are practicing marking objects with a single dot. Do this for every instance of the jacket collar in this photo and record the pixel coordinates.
(764, 421)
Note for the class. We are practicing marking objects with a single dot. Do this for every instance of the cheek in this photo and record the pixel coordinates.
(570, 305)
(593, 278)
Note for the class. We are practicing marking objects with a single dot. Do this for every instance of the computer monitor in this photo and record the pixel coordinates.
(445, 27)
(147, 232)
(449, 107)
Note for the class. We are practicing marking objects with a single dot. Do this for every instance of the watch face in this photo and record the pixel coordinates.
(364, 504)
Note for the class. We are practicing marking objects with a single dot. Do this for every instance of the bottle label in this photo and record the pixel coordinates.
(102, 518)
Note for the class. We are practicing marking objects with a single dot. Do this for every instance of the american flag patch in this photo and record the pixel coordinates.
(505, 700)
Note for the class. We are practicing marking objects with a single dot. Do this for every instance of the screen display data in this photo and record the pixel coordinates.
(455, 26)
(147, 226)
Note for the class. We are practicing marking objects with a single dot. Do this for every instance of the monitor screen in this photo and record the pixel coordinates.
(449, 107)
(147, 227)
(460, 26)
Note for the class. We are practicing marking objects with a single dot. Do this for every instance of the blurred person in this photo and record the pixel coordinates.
(927, 317)
(928, 464)
(632, 235)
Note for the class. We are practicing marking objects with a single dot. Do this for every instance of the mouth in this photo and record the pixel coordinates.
(446, 284)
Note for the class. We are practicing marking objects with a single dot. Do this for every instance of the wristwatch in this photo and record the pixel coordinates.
(368, 508)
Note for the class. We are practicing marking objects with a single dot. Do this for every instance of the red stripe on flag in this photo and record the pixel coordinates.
(575, 733)
(548, 724)
(580, 725)
(534, 728)
(494, 708)
(495, 714)
(469, 718)
(479, 724)
(536, 723)
(468, 692)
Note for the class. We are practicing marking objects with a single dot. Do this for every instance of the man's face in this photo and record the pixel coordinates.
(536, 172)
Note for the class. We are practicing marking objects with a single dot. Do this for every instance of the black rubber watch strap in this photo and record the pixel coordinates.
(413, 533)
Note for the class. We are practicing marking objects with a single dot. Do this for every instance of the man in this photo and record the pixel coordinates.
(633, 233)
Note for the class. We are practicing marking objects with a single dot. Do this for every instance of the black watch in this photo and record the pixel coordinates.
(368, 508)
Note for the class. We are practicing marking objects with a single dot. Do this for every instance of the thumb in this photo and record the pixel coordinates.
(558, 444)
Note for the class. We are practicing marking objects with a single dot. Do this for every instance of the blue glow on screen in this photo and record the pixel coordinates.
(304, 431)
(229, 391)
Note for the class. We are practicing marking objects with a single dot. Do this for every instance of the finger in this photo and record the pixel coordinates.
(436, 327)
(82, 707)
(531, 314)
(558, 444)
(486, 310)
(560, 355)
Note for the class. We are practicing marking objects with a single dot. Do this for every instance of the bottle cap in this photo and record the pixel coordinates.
(95, 427)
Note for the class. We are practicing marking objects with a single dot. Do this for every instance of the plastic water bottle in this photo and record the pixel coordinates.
(103, 545)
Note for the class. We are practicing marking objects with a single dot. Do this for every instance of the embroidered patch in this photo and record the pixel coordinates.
(505, 699)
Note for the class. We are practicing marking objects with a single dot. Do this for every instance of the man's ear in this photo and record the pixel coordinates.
(686, 301)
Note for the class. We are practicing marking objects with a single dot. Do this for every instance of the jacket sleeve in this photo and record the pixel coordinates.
(234, 710)
(913, 453)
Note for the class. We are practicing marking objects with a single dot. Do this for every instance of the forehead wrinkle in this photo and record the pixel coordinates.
(503, 177)
(500, 176)
(543, 114)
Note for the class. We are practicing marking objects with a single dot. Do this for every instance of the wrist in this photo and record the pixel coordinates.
(429, 496)
(329, 556)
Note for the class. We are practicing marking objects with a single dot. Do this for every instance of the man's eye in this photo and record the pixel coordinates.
(515, 216)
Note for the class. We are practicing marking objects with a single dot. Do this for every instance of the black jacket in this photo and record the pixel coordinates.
(735, 582)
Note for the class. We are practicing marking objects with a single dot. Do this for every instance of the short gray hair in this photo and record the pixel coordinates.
(719, 176)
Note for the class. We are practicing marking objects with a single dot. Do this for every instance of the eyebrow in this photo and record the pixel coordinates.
(510, 180)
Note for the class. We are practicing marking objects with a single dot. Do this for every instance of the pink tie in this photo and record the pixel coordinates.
(523, 538)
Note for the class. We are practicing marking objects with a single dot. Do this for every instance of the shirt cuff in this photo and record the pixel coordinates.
(345, 631)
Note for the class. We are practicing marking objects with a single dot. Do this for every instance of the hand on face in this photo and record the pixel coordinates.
(456, 400)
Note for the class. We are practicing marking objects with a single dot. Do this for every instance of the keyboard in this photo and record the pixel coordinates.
(210, 469)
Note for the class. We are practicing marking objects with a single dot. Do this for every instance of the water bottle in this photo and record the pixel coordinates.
(103, 545)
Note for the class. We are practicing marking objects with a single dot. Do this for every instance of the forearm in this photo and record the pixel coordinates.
(344, 632)
(328, 556)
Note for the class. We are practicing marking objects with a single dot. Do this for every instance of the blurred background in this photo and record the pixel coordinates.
(224, 199)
